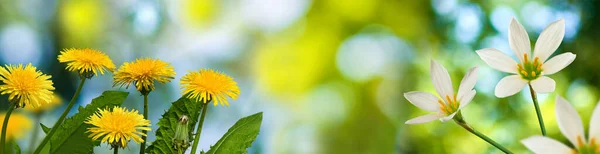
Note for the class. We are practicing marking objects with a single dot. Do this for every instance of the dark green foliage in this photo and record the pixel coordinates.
(239, 137)
(71, 137)
(168, 123)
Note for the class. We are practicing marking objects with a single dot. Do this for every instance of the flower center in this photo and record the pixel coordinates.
(451, 106)
(590, 148)
(530, 70)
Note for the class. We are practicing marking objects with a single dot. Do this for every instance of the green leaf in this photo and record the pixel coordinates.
(17, 148)
(71, 137)
(45, 128)
(239, 137)
(168, 123)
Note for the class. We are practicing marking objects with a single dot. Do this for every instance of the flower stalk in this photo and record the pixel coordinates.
(537, 110)
(460, 121)
(4, 126)
(143, 144)
(199, 130)
(61, 119)
(116, 149)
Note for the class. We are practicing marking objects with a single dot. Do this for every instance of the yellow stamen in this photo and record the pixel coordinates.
(525, 58)
(520, 66)
(524, 73)
(532, 73)
(579, 141)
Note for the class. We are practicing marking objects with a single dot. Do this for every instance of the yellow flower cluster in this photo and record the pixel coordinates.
(117, 126)
(142, 73)
(27, 86)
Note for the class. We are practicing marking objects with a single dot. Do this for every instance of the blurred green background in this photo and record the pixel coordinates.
(329, 75)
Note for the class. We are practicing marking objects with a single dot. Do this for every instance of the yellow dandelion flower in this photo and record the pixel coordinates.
(118, 126)
(88, 62)
(56, 101)
(208, 85)
(18, 125)
(142, 73)
(25, 85)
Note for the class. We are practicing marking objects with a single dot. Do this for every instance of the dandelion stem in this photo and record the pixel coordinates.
(4, 126)
(34, 136)
(143, 145)
(61, 119)
(199, 129)
(537, 110)
(460, 121)
(116, 150)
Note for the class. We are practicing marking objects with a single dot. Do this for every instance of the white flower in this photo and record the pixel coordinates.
(450, 103)
(571, 126)
(532, 68)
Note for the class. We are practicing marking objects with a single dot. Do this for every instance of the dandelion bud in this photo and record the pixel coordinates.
(181, 140)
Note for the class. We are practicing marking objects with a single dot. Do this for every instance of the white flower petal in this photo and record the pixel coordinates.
(423, 119)
(569, 121)
(543, 84)
(468, 82)
(595, 124)
(444, 119)
(549, 40)
(423, 100)
(466, 99)
(518, 39)
(545, 145)
(509, 86)
(557, 63)
(498, 60)
(441, 80)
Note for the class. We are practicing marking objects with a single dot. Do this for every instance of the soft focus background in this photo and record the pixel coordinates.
(329, 75)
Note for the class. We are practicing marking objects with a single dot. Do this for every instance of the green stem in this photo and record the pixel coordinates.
(460, 121)
(537, 110)
(116, 150)
(61, 119)
(199, 129)
(4, 126)
(36, 129)
(143, 145)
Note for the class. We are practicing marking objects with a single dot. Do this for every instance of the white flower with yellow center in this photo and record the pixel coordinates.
(571, 126)
(448, 103)
(532, 69)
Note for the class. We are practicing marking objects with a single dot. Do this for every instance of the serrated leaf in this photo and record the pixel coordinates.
(168, 123)
(239, 137)
(45, 128)
(71, 136)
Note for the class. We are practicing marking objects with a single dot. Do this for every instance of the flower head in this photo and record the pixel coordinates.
(449, 103)
(208, 85)
(88, 62)
(571, 126)
(56, 101)
(142, 73)
(118, 126)
(25, 85)
(532, 68)
(18, 125)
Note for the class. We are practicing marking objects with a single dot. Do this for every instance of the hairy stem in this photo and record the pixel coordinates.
(4, 126)
(143, 145)
(199, 129)
(61, 119)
